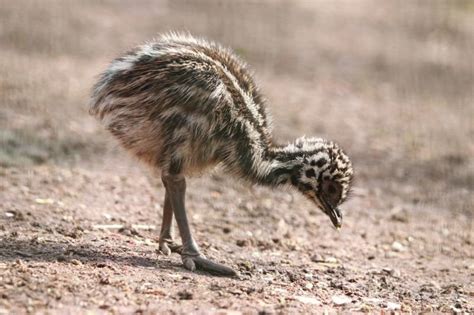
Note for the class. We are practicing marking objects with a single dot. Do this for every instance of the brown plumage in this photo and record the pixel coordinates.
(182, 105)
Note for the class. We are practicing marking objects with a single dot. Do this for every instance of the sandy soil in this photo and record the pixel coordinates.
(392, 84)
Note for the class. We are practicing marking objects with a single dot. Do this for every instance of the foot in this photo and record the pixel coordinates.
(199, 262)
(168, 246)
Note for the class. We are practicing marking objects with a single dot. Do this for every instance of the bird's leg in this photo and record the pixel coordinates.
(190, 254)
(167, 244)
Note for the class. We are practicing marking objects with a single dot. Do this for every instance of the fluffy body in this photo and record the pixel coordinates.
(183, 104)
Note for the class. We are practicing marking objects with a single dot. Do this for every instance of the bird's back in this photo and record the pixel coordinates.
(181, 103)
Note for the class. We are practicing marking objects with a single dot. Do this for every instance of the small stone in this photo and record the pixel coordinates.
(398, 247)
(393, 306)
(399, 214)
(46, 201)
(331, 260)
(246, 265)
(185, 295)
(76, 262)
(308, 285)
(392, 272)
(241, 243)
(104, 280)
(372, 301)
(317, 258)
(292, 276)
(341, 299)
(308, 276)
(364, 308)
(307, 300)
(226, 230)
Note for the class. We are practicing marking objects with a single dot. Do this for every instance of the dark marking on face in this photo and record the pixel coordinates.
(310, 173)
(294, 180)
(321, 162)
(306, 187)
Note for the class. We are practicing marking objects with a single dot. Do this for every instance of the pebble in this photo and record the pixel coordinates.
(307, 300)
(321, 259)
(9, 214)
(185, 295)
(399, 214)
(398, 247)
(46, 201)
(341, 299)
(393, 306)
(392, 272)
(241, 243)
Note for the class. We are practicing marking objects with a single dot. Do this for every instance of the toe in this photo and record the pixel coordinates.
(214, 268)
(189, 263)
(175, 248)
(164, 249)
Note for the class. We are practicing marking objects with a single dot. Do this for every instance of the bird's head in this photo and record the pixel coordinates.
(325, 175)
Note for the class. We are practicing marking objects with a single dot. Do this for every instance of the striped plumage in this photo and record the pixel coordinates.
(183, 104)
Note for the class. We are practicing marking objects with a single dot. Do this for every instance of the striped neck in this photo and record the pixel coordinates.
(277, 167)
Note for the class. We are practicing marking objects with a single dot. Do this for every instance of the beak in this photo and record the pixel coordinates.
(334, 213)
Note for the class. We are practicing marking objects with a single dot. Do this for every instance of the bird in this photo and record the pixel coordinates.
(183, 105)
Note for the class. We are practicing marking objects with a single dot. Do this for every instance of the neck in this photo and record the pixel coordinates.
(276, 167)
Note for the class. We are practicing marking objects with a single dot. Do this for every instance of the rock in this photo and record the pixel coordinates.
(308, 276)
(185, 295)
(317, 258)
(307, 300)
(392, 306)
(308, 285)
(392, 272)
(398, 247)
(103, 279)
(399, 214)
(331, 260)
(241, 243)
(372, 301)
(456, 308)
(9, 214)
(46, 201)
(321, 259)
(341, 299)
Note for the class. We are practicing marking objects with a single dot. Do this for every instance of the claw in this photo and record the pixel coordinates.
(204, 264)
(167, 247)
(175, 248)
(164, 249)
(189, 264)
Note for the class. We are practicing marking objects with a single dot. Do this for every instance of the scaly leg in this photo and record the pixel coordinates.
(191, 255)
(167, 244)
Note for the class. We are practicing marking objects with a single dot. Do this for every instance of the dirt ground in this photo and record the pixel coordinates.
(392, 83)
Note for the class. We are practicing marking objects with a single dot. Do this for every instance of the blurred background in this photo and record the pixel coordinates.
(392, 82)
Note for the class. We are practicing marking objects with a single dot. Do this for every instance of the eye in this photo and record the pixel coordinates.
(332, 191)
